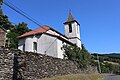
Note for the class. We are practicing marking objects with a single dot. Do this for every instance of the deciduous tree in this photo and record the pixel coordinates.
(81, 56)
(15, 32)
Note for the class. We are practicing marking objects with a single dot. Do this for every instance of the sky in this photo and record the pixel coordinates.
(99, 19)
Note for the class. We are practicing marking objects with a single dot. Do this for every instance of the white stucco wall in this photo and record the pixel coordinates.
(75, 33)
(52, 32)
(59, 44)
(77, 42)
(55, 33)
(28, 41)
(75, 30)
(59, 49)
(47, 45)
(21, 43)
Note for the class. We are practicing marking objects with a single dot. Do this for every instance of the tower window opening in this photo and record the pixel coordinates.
(70, 28)
(23, 47)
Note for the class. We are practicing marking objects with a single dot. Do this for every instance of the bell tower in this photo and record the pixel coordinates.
(72, 30)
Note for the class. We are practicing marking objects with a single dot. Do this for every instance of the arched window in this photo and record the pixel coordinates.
(35, 46)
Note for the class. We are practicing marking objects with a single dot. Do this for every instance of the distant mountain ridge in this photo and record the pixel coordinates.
(111, 55)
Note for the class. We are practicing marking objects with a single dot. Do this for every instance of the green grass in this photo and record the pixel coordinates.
(76, 77)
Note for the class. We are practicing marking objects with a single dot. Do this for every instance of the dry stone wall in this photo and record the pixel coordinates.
(17, 65)
(2, 37)
(6, 64)
(34, 66)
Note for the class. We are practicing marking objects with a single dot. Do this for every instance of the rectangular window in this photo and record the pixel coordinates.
(70, 28)
(23, 47)
(35, 46)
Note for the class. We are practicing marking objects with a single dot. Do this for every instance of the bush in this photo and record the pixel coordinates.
(81, 56)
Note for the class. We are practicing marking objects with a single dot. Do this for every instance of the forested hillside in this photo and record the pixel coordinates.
(112, 55)
(109, 63)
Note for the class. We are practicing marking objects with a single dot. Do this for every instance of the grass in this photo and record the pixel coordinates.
(76, 77)
(115, 63)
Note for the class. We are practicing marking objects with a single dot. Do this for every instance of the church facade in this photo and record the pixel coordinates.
(46, 40)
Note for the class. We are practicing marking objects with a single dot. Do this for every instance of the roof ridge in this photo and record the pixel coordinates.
(36, 31)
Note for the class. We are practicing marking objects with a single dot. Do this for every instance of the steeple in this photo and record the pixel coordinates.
(70, 18)
(72, 30)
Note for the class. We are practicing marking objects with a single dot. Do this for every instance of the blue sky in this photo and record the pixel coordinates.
(99, 19)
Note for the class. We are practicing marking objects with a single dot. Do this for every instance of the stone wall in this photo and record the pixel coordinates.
(35, 66)
(6, 64)
(2, 37)
(17, 65)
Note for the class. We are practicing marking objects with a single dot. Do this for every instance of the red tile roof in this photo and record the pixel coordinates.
(42, 29)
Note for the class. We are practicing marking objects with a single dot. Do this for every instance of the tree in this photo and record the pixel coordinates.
(1, 1)
(74, 53)
(4, 22)
(15, 32)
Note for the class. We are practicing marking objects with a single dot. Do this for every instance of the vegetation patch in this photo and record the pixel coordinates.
(81, 56)
(76, 77)
(109, 63)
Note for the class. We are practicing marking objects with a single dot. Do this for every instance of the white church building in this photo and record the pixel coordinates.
(46, 40)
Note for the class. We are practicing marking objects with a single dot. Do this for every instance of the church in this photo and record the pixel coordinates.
(46, 40)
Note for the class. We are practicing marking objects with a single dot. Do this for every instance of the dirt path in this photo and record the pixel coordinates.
(111, 77)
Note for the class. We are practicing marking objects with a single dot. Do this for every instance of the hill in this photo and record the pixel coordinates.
(112, 55)
(109, 63)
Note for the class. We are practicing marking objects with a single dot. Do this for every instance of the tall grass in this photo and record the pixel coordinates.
(76, 77)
